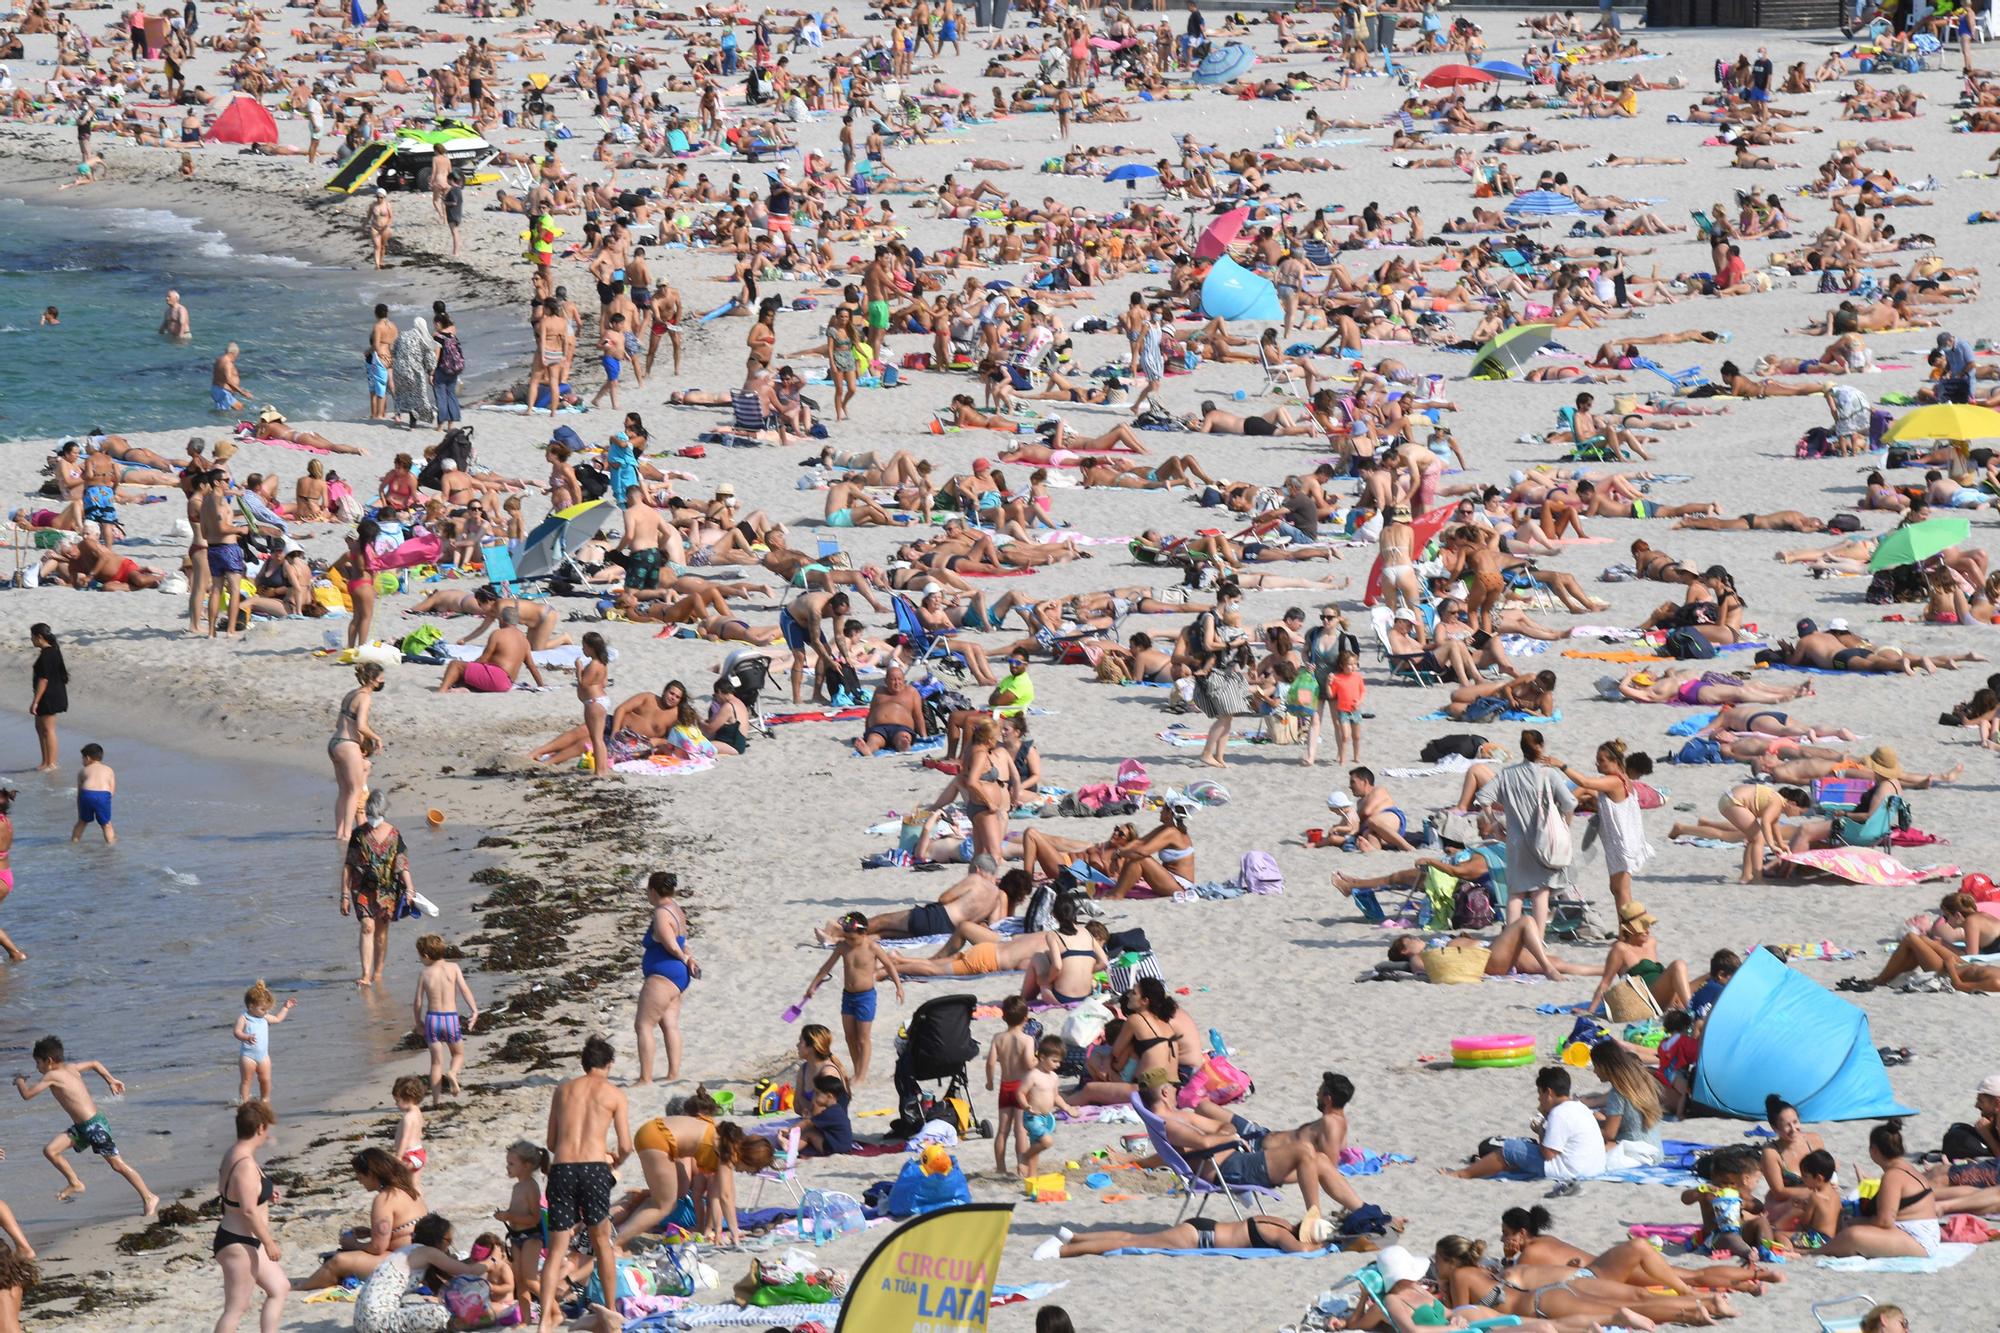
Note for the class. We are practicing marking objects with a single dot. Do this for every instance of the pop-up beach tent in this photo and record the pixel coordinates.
(1775, 1030)
(243, 121)
(1231, 291)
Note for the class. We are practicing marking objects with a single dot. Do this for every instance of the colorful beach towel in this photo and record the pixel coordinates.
(1861, 865)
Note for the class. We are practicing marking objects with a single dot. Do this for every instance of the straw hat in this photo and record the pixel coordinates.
(725, 490)
(270, 414)
(1634, 916)
(1883, 763)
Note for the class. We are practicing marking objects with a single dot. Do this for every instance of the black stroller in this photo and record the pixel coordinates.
(937, 1044)
(746, 673)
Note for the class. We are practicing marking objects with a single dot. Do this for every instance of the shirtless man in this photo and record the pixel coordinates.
(379, 220)
(800, 622)
(100, 494)
(381, 346)
(497, 669)
(90, 561)
(583, 1174)
(895, 716)
(977, 899)
(666, 308)
(220, 532)
(645, 534)
(175, 323)
(1373, 821)
(224, 389)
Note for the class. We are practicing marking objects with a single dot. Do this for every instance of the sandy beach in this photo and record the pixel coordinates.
(770, 844)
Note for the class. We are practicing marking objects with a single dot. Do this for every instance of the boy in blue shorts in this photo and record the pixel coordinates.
(861, 960)
(95, 786)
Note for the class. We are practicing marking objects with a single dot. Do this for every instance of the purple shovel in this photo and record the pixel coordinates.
(792, 1012)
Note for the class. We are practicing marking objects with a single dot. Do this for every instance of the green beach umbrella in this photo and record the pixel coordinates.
(1510, 349)
(1919, 542)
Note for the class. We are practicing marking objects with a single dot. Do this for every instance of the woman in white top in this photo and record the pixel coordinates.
(386, 1303)
(1618, 821)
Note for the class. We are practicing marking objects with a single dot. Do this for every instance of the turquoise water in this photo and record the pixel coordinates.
(301, 327)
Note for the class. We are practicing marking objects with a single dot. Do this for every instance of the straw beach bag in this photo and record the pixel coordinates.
(1456, 967)
(1629, 1001)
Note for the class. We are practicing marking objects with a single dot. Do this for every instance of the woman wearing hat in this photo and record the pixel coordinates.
(1891, 779)
(1636, 953)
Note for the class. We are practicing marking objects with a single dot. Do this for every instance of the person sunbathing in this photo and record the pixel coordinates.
(1533, 695)
(1259, 1232)
(1919, 953)
(648, 717)
(1777, 520)
(1756, 719)
(1524, 1239)
(1688, 687)
(278, 429)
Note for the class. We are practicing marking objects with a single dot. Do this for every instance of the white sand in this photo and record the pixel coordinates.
(1272, 974)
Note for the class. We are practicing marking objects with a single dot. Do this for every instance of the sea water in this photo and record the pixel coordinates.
(139, 954)
(301, 326)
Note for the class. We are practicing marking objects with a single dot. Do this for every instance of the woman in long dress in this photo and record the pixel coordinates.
(411, 362)
(1524, 790)
(1619, 824)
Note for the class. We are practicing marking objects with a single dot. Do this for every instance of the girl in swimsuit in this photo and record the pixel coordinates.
(1073, 958)
(350, 747)
(245, 1249)
(669, 969)
(397, 1207)
(6, 867)
(357, 567)
(593, 675)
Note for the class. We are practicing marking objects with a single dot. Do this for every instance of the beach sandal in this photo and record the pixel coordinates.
(1569, 1189)
(1858, 985)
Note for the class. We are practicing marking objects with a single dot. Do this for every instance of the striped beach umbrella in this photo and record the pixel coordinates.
(1541, 204)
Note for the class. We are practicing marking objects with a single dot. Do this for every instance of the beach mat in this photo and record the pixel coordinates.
(1949, 1255)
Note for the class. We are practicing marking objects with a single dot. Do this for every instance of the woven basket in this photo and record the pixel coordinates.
(1456, 967)
(1629, 1001)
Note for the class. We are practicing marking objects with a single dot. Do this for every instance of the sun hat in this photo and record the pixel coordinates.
(1883, 763)
(1635, 915)
(724, 490)
(1836, 626)
(1397, 1264)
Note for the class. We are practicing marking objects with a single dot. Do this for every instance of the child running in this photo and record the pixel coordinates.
(64, 1082)
(1040, 1099)
(96, 784)
(861, 959)
(435, 1008)
(253, 1035)
(408, 1092)
(1011, 1054)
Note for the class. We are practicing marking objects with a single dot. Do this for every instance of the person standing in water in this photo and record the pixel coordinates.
(351, 746)
(51, 696)
(96, 784)
(7, 794)
(176, 324)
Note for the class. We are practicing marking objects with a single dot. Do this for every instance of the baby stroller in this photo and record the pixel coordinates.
(936, 1045)
(746, 672)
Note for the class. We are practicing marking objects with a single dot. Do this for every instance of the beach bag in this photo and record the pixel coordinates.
(917, 1191)
(1218, 1081)
(1282, 729)
(424, 643)
(1223, 692)
(451, 357)
(1962, 1143)
(1629, 1001)
(1471, 906)
(1259, 873)
(1084, 1027)
(470, 1300)
(1553, 845)
(634, 1280)
(1484, 710)
(1133, 777)
(1126, 969)
(824, 1214)
(1688, 645)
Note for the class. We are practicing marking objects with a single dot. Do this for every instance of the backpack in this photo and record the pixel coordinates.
(592, 481)
(1688, 645)
(451, 357)
(420, 641)
(1471, 906)
(1259, 873)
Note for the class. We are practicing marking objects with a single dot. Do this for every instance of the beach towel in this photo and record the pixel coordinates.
(1861, 865)
(1947, 1256)
(1693, 724)
(1511, 715)
(666, 765)
(1611, 655)
(1130, 1250)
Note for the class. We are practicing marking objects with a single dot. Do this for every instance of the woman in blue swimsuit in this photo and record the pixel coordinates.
(669, 967)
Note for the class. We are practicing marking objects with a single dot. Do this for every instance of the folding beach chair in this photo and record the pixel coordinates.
(1684, 382)
(1830, 1322)
(499, 562)
(784, 1169)
(1374, 1288)
(1704, 225)
(1193, 1187)
(1873, 831)
(925, 646)
(1280, 377)
(1404, 668)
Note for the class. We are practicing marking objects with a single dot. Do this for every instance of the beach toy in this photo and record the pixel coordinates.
(436, 818)
(1097, 1180)
(935, 1160)
(1494, 1051)
(1511, 1062)
(1576, 1055)
(725, 1099)
(792, 1012)
(1483, 1045)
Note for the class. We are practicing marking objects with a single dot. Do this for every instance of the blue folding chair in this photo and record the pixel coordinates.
(1193, 1187)
(1685, 381)
(925, 645)
(499, 562)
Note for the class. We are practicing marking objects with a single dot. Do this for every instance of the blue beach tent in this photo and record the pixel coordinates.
(1231, 291)
(1775, 1030)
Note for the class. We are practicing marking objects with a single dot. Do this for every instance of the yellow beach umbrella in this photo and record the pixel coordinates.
(1946, 421)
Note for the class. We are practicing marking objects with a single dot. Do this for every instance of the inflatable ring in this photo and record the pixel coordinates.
(1503, 1041)
(1511, 1062)
(1496, 1053)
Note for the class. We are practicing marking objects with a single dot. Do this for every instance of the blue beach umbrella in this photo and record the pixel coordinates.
(1131, 173)
(354, 15)
(1541, 204)
(1506, 69)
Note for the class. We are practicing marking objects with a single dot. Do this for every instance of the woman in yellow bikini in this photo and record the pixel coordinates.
(675, 1151)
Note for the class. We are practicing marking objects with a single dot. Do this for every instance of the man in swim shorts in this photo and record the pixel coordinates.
(499, 666)
(581, 1180)
(895, 716)
(96, 783)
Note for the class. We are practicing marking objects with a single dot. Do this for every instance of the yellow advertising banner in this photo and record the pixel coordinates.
(934, 1274)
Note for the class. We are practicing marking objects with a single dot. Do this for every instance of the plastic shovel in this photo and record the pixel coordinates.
(792, 1012)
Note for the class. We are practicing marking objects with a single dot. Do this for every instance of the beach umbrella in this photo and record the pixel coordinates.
(1422, 528)
(354, 14)
(1513, 347)
(1506, 69)
(1224, 63)
(1457, 76)
(1215, 240)
(1917, 542)
(555, 538)
(1540, 204)
(1946, 421)
(1132, 173)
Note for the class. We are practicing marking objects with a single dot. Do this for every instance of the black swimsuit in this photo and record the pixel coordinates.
(224, 1237)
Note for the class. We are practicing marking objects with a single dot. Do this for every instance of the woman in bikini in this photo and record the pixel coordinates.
(692, 1152)
(1535, 1291)
(246, 1249)
(1158, 1034)
(1073, 957)
(352, 744)
(593, 677)
(397, 1206)
(1750, 813)
(1905, 1221)
(1261, 1232)
(357, 567)
(1163, 860)
(1524, 1239)
(309, 495)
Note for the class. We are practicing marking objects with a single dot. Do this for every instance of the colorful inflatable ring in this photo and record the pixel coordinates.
(1512, 1062)
(1503, 1041)
(1496, 1053)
